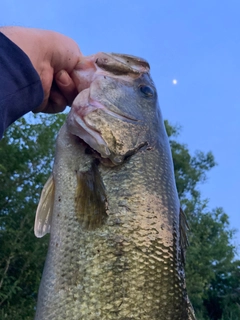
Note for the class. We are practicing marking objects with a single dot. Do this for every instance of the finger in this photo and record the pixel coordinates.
(66, 86)
(56, 103)
(42, 106)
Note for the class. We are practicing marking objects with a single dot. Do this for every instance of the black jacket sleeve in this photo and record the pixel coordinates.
(20, 85)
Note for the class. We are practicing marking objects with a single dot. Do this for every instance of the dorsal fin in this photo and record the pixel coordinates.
(183, 234)
(45, 209)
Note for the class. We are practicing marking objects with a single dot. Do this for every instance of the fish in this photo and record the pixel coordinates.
(118, 235)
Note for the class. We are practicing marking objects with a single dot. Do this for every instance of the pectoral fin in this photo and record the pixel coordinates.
(45, 209)
(90, 199)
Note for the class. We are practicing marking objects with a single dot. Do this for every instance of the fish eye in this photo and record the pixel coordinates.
(147, 91)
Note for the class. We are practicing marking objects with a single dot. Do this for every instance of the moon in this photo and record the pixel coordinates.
(174, 81)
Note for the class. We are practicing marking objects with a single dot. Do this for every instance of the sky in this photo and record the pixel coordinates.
(196, 43)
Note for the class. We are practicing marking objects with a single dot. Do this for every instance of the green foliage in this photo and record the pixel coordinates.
(26, 154)
(212, 271)
(189, 170)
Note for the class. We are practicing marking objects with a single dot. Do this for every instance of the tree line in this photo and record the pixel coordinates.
(26, 158)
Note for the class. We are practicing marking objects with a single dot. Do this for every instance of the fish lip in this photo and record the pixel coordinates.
(114, 65)
(122, 64)
(78, 125)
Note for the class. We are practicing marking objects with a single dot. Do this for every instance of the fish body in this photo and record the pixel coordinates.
(117, 241)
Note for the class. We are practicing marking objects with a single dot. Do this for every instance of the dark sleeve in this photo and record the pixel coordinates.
(20, 85)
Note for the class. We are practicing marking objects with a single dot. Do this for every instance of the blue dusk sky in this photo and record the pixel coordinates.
(197, 43)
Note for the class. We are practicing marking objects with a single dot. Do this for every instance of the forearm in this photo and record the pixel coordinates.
(54, 56)
(20, 86)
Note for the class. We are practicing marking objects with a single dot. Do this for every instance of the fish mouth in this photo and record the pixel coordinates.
(82, 106)
(115, 65)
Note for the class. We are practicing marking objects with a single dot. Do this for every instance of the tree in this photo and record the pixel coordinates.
(212, 270)
(26, 154)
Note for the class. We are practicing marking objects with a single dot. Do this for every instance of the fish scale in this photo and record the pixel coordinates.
(115, 250)
(142, 232)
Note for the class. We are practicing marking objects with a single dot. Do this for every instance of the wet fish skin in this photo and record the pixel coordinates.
(116, 248)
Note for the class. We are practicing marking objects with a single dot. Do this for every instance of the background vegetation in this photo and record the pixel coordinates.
(26, 155)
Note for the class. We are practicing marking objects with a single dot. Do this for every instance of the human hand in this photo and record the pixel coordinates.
(54, 57)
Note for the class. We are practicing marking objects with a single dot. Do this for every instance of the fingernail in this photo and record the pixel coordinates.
(63, 78)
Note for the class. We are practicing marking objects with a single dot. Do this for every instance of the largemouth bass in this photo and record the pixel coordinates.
(118, 235)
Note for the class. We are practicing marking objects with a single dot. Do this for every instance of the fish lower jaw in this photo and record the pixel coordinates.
(96, 144)
(78, 124)
(78, 127)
